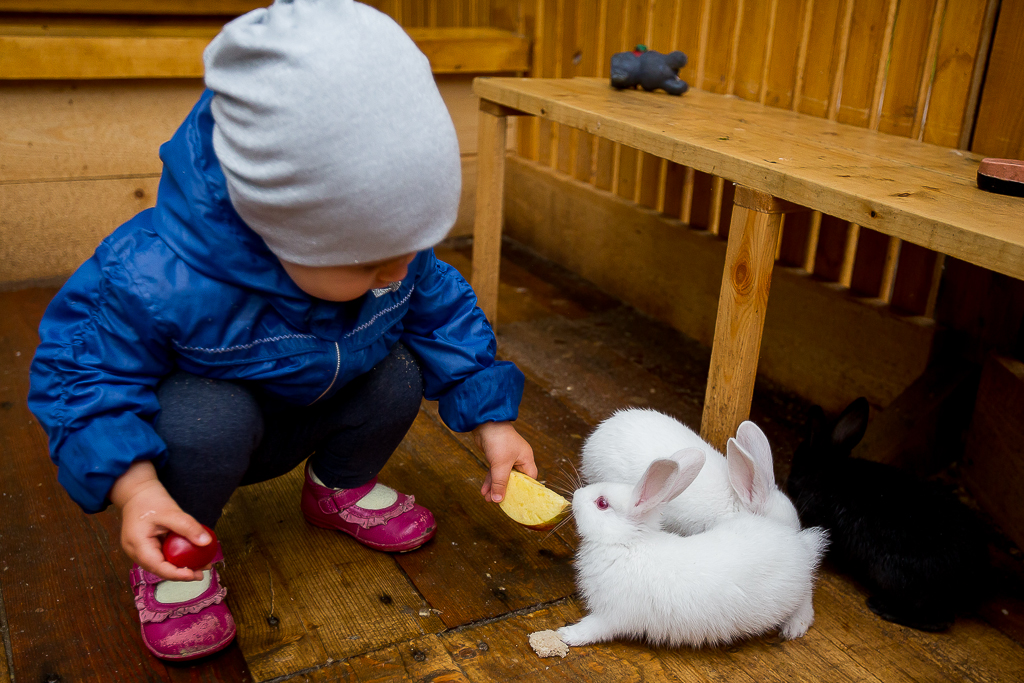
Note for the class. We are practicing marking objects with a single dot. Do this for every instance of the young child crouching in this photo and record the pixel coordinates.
(280, 300)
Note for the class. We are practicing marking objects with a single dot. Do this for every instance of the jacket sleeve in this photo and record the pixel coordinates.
(93, 380)
(456, 345)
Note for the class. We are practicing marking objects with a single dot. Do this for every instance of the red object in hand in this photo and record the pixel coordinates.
(182, 552)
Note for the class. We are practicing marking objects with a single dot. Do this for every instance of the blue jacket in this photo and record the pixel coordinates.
(188, 285)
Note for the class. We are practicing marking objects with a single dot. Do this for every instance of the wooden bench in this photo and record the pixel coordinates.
(782, 162)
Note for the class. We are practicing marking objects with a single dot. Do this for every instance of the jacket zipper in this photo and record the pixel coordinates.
(337, 369)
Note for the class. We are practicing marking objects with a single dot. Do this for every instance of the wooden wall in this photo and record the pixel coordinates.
(914, 68)
(90, 90)
(77, 157)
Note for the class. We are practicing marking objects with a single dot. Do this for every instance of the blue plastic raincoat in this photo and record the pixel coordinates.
(188, 285)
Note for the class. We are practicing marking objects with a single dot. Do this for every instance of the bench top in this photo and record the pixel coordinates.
(915, 191)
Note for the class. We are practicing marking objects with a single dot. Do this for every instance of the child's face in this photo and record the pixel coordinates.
(345, 283)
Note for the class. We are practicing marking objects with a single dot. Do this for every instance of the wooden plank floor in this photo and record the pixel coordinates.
(314, 606)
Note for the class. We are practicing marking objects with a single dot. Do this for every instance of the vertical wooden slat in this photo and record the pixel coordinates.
(725, 205)
(892, 259)
(883, 70)
(806, 18)
(659, 200)
(547, 31)
(824, 36)
(907, 67)
(704, 38)
(950, 106)
(718, 58)
(849, 252)
(490, 196)
(752, 39)
(659, 33)
(813, 235)
(689, 24)
(836, 91)
(700, 201)
(793, 242)
(691, 32)
(978, 75)
(999, 131)
(734, 46)
(686, 200)
(557, 130)
(933, 292)
(829, 256)
(769, 47)
(783, 88)
(626, 172)
(612, 41)
(915, 279)
(589, 27)
(715, 205)
(569, 61)
(634, 32)
(693, 16)
(672, 202)
(867, 275)
(925, 90)
(871, 86)
(783, 73)
(511, 15)
(913, 284)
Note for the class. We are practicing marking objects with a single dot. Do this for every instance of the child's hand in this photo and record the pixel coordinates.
(504, 449)
(147, 513)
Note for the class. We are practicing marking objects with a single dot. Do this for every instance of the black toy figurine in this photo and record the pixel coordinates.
(649, 69)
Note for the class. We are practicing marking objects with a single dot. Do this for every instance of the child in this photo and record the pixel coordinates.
(281, 300)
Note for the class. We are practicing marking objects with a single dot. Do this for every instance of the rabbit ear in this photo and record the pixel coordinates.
(665, 479)
(851, 425)
(690, 461)
(751, 473)
(750, 437)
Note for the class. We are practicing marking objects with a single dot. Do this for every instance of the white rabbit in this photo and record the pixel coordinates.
(622, 447)
(746, 576)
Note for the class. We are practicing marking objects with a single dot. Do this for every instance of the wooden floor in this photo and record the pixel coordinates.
(315, 606)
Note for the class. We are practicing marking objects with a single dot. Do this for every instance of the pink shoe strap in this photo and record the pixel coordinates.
(152, 611)
(340, 499)
(342, 502)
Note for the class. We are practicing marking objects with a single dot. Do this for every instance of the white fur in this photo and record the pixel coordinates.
(746, 576)
(621, 448)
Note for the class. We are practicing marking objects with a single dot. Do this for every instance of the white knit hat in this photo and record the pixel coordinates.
(334, 140)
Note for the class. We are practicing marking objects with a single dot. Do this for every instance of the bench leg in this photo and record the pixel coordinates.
(490, 195)
(749, 258)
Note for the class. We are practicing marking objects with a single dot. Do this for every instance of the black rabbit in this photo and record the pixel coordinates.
(920, 552)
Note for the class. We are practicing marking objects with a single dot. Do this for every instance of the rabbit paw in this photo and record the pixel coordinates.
(799, 622)
(589, 629)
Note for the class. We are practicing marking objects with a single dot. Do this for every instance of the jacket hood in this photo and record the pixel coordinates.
(195, 218)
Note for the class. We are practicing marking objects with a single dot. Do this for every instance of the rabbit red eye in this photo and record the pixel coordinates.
(601, 503)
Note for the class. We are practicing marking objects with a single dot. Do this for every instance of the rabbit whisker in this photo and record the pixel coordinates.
(576, 474)
(557, 527)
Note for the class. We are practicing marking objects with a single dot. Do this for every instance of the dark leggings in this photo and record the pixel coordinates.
(220, 435)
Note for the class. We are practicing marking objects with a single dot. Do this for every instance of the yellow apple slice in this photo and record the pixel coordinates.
(532, 504)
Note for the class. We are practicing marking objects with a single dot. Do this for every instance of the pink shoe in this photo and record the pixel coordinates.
(183, 630)
(399, 527)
